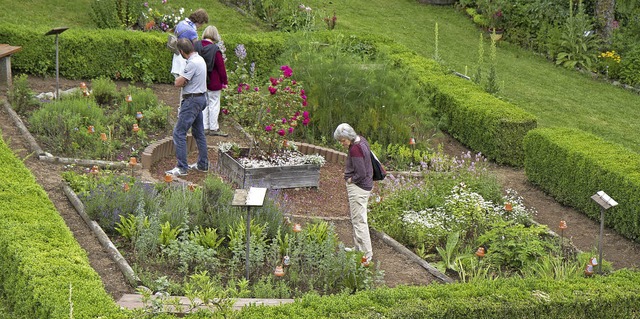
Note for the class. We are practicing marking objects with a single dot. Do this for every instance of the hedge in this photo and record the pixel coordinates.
(118, 54)
(40, 258)
(613, 296)
(572, 165)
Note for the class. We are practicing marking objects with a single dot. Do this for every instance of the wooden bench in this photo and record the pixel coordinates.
(5, 62)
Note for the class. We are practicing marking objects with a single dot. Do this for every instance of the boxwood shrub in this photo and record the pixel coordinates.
(42, 263)
(572, 165)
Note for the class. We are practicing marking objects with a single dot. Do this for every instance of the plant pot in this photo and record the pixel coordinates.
(280, 177)
(495, 34)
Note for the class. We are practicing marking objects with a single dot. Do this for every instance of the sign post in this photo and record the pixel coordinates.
(253, 197)
(57, 32)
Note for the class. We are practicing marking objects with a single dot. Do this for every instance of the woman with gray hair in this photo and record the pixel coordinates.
(358, 174)
(216, 77)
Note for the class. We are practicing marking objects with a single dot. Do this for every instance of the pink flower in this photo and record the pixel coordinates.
(268, 128)
(164, 1)
(304, 103)
(274, 81)
(256, 89)
(302, 92)
(284, 120)
(240, 88)
(305, 114)
(293, 82)
(281, 132)
(290, 129)
(286, 71)
(225, 111)
(305, 121)
(304, 97)
(272, 90)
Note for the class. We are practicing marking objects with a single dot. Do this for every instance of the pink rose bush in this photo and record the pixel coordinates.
(272, 116)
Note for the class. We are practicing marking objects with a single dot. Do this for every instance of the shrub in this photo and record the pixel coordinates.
(21, 96)
(104, 90)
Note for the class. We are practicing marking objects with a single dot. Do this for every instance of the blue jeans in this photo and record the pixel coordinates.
(190, 116)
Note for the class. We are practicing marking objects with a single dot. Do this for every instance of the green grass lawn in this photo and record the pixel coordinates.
(75, 13)
(558, 97)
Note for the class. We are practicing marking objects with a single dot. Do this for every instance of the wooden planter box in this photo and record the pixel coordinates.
(269, 177)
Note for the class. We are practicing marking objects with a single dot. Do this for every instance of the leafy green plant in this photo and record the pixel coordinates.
(111, 14)
(21, 96)
(512, 247)
(448, 253)
(207, 237)
(492, 85)
(168, 234)
(130, 226)
(104, 90)
(189, 256)
(202, 290)
(577, 45)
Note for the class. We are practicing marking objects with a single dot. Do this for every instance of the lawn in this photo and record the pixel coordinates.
(558, 97)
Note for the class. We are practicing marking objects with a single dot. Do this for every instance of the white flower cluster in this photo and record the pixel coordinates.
(226, 146)
(287, 158)
(460, 206)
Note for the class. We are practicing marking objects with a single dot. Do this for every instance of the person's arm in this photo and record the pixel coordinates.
(180, 81)
(358, 164)
(222, 71)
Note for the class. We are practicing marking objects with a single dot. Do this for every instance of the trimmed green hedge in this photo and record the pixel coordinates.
(118, 54)
(572, 165)
(614, 296)
(40, 258)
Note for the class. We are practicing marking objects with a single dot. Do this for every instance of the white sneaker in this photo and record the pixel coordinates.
(195, 166)
(176, 171)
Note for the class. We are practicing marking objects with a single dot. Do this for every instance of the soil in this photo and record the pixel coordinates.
(328, 201)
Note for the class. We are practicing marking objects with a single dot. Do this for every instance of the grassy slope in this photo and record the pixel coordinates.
(75, 13)
(557, 96)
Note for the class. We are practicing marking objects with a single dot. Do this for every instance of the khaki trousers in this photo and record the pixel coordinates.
(358, 201)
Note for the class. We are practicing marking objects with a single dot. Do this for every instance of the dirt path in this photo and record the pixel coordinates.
(583, 231)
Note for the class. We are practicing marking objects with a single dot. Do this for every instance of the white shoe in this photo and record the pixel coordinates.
(349, 249)
(176, 171)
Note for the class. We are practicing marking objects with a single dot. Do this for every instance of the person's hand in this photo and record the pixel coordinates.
(224, 86)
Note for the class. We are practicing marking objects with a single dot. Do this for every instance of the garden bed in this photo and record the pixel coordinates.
(277, 177)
